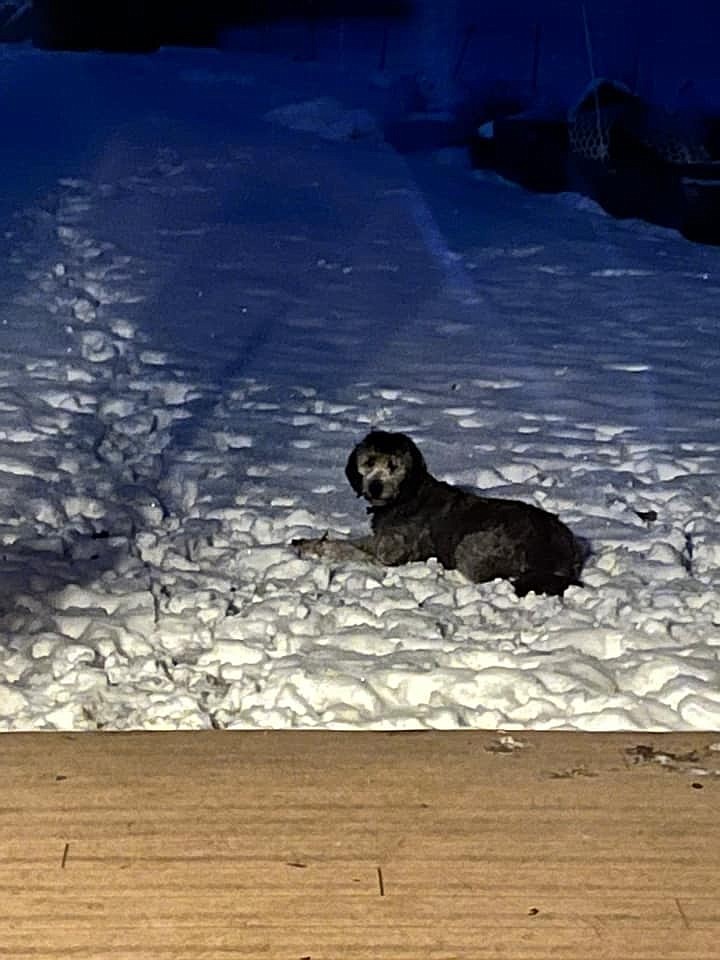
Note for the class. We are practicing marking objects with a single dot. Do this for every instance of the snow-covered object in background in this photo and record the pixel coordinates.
(614, 125)
(638, 159)
(601, 106)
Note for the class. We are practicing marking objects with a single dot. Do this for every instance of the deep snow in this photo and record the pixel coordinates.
(216, 278)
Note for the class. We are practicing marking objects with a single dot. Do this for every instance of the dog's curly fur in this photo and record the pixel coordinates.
(415, 517)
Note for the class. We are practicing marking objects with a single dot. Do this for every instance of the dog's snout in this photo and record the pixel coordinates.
(375, 488)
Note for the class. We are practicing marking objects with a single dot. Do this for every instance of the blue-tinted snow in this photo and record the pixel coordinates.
(205, 307)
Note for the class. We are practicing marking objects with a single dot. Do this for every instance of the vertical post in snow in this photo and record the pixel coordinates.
(341, 42)
(384, 47)
(468, 34)
(437, 32)
(536, 59)
(593, 78)
(639, 61)
(312, 30)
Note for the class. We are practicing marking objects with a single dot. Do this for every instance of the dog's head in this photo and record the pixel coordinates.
(385, 468)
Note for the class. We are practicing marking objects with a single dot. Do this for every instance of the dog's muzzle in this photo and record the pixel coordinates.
(374, 489)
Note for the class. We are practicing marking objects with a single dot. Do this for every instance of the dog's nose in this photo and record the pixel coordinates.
(375, 489)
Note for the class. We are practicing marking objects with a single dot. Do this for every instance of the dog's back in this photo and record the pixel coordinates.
(483, 537)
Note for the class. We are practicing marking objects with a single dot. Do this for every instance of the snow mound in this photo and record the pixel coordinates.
(328, 119)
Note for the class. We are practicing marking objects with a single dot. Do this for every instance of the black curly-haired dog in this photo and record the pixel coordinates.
(415, 517)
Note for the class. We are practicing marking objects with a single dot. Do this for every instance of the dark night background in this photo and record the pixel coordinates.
(659, 43)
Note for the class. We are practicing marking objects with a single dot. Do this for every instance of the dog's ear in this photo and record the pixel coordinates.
(419, 467)
(352, 472)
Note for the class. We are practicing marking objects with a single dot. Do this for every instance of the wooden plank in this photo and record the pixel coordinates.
(350, 846)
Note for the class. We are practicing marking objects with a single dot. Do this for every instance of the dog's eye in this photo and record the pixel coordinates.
(392, 466)
(370, 462)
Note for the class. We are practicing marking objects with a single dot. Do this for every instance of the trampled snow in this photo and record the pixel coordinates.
(217, 277)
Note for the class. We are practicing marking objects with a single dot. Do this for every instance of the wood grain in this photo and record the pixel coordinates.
(320, 845)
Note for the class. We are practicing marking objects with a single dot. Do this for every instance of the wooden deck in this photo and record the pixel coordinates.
(359, 846)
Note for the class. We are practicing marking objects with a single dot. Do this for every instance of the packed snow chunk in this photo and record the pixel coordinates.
(564, 679)
(328, 119)
(652, 675)
(69, 716)
(75, 402)
(608, 719)
(263, 531)
(180, 637)
(117, 407)
(152, 548)
(423, 589)
(351, 616)
(191, 601)
(608, 561)
(96, 346)
(99, 291)
(226, 440)
(67, 657)
(345, 699)
(315, 624)
(12, 701)
(77, 506)
(19, 468)
(487, 477)
(261, 559)
(180, 711)
(122, 328)
(84, 311)
(95, 597)
(700, 712)
(144, 671)
(289, 699)
(532, 713)
(231, 652)
(663, 553)
(368, 642)
(72, 624)
(302, 518)
(45, 645)
(78, 375)
(517, 472)
(667, 470)
(84, 679)
(154, 358)
(402, 686)
(596, 578)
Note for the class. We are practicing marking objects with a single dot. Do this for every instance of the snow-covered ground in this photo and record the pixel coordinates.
(216, 277)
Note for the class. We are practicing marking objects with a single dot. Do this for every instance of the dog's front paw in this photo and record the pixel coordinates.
(309, 546)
